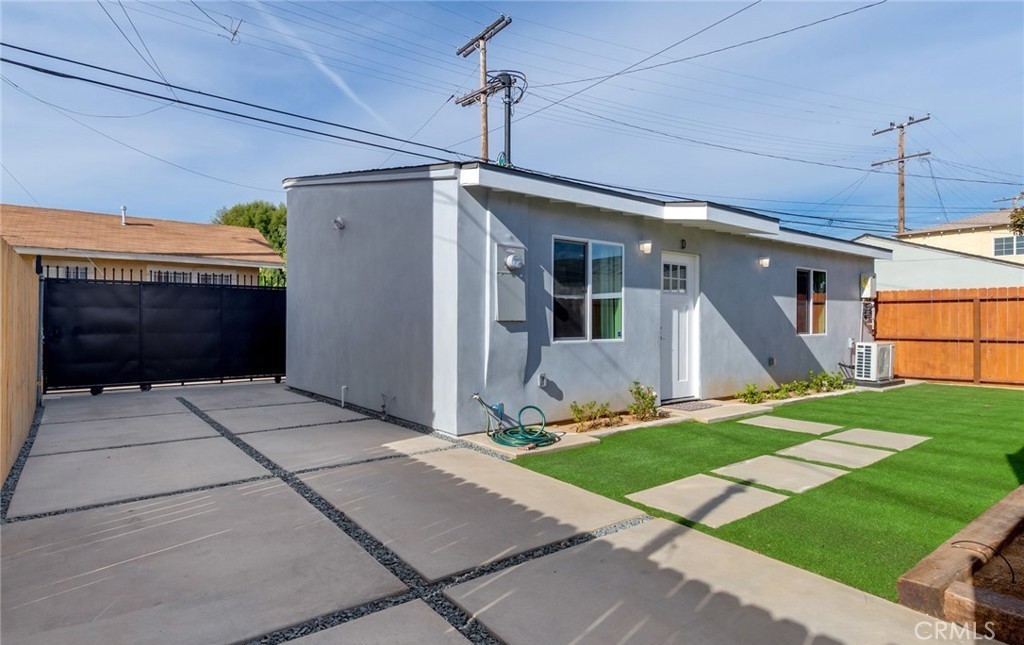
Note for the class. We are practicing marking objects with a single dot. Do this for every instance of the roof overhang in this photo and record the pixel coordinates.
(147, 257)
(695, 214)
(821, 242)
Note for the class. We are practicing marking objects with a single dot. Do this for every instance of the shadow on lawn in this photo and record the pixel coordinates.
(1017, 463)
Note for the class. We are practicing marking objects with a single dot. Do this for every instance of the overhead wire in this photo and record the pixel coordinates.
(138, 150)
(20, 185)
(213, 96)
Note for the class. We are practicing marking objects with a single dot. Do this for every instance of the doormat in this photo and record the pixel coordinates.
(690, 406)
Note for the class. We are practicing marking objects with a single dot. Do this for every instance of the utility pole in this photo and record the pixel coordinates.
(900, 159)
(479, 42)
(1014, 199)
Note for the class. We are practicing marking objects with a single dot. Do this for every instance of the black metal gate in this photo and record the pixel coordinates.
(100, 333)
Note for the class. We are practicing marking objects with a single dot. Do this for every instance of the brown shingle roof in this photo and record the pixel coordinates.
(47, 228)
(985, 220)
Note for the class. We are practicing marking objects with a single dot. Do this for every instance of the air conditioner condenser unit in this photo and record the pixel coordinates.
(874, 361)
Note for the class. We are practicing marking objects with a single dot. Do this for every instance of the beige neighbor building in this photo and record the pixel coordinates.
(75, 244)
(986, 235)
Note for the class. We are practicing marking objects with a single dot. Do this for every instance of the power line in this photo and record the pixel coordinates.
(928, 162)
(21, 185)
(644, 60)
(769, 155)
(138, 150)
(733, 46)
(159, 72)
(221, 98)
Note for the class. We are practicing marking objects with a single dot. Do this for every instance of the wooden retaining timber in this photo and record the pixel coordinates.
(969, 335)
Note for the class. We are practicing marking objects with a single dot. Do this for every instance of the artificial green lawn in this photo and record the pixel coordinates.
(865, 528)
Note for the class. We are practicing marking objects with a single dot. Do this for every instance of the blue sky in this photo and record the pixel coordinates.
(710, 128)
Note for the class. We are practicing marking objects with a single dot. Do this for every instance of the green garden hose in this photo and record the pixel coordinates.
(519, 436)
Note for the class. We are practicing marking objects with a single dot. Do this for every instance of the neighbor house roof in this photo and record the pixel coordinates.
(693, 213)
(47, 231)
(985, 220)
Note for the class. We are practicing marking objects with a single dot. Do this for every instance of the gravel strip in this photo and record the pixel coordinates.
(403, 423)
(316, 469)
(304, 425)
(419, 587)
(127, 445)
(258, 405)
(120, 502)
(7, 492)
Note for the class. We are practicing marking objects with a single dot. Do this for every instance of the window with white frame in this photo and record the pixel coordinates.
(1008, 245)
(587, 290)
(170, 275)
(75, 271)
(215, 278)
(811, 296)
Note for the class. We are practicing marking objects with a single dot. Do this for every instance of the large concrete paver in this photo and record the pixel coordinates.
(241, 395)
(448, 512)
(413, 623)
(830, 452)
(270, 417)
(781, 473)
(711, 501)
(215, 566)
(108, 433)
(63, 408)
(663, 583)
(58, 482)
(339, 443)
(879, 438)
(792, 425)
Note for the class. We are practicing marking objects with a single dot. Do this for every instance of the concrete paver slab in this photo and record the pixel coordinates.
(215, 566)
(413, 623)
(567, 441)
(781, 473)
(840, 454)
(447, 512)
(108, 433)
(109, 405)
(879, 439)
(711, 501)
(57, 482)
(269, 417)
(726, 412)
(793, 425)
(663, 583)
(339, 443)
(242, 395)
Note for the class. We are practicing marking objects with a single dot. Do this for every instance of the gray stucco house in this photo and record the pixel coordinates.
(428, 284)
(916, 266)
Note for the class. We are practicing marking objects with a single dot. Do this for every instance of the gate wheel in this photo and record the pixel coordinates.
(95, 391)
(145, 387)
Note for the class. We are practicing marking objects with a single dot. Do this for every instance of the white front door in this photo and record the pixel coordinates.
(679, 352)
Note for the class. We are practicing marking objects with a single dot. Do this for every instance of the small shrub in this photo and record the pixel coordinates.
(590, 415)
(752, 394)
(800, 388)
(645, 401)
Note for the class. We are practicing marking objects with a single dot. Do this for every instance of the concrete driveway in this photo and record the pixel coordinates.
(237, 513)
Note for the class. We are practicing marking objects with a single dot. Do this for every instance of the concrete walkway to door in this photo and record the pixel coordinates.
(250, 512)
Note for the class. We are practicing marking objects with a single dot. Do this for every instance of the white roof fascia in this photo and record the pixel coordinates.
(428, 172)
(703, 215)
(557, 192)
(696, 214)
(828, 244)
(145, 257)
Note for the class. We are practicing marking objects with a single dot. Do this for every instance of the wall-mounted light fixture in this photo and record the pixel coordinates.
(339, 223)
(646, 246)
(764, 261)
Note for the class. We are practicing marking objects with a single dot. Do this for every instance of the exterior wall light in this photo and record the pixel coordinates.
(339, 223)
(646, 246)
(764, 261)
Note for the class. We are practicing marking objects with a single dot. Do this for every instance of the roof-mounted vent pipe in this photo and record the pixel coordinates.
(124, 211)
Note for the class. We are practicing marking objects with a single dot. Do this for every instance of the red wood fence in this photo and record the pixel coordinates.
(974, 335)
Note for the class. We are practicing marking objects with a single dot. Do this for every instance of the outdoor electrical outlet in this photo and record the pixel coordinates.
(771, 361)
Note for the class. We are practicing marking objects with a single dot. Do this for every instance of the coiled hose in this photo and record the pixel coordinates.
(518, 436)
